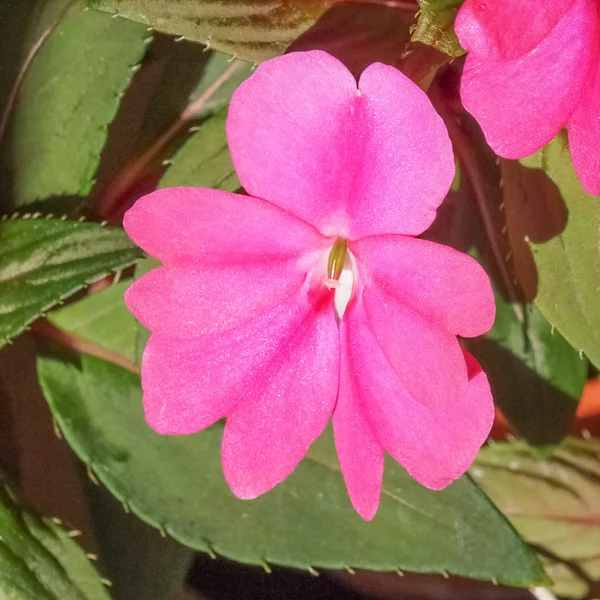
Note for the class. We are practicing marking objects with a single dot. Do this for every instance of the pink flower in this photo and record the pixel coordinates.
(312, 297)
(532, 69)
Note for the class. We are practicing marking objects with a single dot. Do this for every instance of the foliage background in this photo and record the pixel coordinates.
(102, 102)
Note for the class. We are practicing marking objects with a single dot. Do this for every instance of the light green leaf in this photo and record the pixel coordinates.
(435, 26)
(204, 160)
(175, 483)
(253, 30)
(569, 264)
(68, 96)
(44, 261)
(39, 561)
(537, 377)
(553, 502)
(103, 319)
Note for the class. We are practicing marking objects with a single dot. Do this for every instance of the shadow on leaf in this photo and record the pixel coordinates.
(540, 412)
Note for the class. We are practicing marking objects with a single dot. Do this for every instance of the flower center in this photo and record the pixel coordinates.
(340, 275)
(336, 262)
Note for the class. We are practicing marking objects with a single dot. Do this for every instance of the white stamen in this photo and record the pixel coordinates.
(343, 289)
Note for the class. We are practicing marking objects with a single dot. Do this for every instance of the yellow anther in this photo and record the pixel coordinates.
(337, 259)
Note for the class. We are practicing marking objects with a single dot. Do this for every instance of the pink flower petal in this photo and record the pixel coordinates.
(192, 225)
(507, 29)
(351, 165)
(190, 384)
(435, 447)
(359, 452)
(584, 133)
(188, 301)
(290, 134)
(443, 285)
(521, 104)
(427, 359)
(405, 163)
(289, 403)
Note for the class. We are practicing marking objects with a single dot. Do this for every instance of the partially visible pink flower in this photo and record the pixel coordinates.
(312, 297)
(532, 69)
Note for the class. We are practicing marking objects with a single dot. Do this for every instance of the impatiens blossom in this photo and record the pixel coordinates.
(532, 69)
(312, 297)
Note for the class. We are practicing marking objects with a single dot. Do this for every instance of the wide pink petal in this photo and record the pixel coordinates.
(435, 447)
(507, 29)
(443, 285)
(521, 104)
(404, 160)
(198, 225)
(350, 163)
(290, 132)
(269, 432)
(190, 384)
(584, 133)
(359, 452)
(427, 359)
(188, 301)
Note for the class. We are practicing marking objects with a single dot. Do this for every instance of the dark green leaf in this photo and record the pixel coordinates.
(176, 483)
(44, 261)
(553, 502)
(253, 30)
(40, 561)
(569, 264)
(435, 26)
(69, 95)
(140, 563)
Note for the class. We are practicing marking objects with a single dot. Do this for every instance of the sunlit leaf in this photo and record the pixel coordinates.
(553, 502)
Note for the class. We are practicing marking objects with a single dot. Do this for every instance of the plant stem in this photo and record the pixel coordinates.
(43, 328)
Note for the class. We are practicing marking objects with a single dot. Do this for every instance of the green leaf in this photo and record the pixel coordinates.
(215, 67)
(44, 261)
(103, 319)
(40, 561)
(25, 23)
(569, 264)
(204, 160)
(435, 26)
(175, 483)
(68, 96)
(140, 563)
(537, 377)
(553, 502)
(253, 30)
